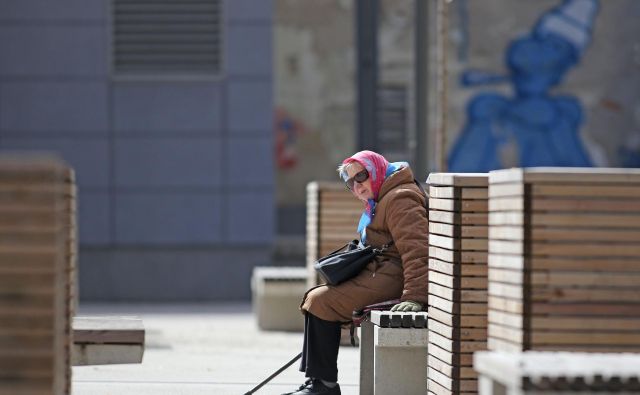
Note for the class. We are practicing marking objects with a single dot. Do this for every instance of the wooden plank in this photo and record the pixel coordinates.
(508, 218)
(539, 338)
(504, 304)
(590, 235)
(462, 321)
(506, 203)
(451, 384)
(604, 204)
(455, 333)
(457, 295)
(601, 324)
(446, 192)
(503, 232)
(510, 334)
(480, 206)
(506, 190)
(587, 309)
(470, 231)
(454, 359)
(459, 179)
(10, 320)
(509, 291)
(23, 300)
(331, 211)
(575, 295)
(29, 219)
(593, 190)
(458, 269)
(542, 281)
(557, 191)
(576, 249)
(458, 372)
(102, 330)
(502, 318)
(519, 262)
(451, 243)
(20, 282)
(342, 222)
(456, 346)
(593, 348)
(458, 257)
(436, 389)
(565, 175)
(584, 279)
(507, 276)
(603, 310)
(496, 344)
(456, 282)
(448, 217)
(471, 308)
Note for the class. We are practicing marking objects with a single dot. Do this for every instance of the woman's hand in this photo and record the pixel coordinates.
(407, 305)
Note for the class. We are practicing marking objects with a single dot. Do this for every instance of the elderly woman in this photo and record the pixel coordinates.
(394, 211)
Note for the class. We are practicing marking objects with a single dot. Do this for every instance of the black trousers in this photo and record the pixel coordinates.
(320, 348)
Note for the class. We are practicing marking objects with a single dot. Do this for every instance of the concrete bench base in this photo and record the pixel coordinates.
(106, 354)
(392, 360)
(107, 340)
(277, 293)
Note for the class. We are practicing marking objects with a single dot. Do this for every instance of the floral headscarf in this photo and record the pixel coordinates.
(375, 164)
(379, 169)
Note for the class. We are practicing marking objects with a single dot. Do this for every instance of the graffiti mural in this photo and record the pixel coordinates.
(533, 127)
(287, 130)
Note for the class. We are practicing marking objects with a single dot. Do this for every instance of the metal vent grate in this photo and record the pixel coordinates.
(392, 117)
(167, 37)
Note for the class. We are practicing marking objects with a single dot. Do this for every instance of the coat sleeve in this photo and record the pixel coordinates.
(407, 220)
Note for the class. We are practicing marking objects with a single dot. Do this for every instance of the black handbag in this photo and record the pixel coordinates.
(347, 261)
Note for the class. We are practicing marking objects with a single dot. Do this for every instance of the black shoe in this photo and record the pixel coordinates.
(306, 384)
(315, 387)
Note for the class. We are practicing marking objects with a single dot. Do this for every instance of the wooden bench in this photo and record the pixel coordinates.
(37, 254)
(535, 372)
(332, 220)
(458, 242)
(564, 260)
(393, 353)
(107, 340)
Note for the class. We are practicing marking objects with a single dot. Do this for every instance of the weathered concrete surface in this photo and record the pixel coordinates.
(203, 349)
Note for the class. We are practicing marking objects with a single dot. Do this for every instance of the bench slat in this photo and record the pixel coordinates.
(112, 330)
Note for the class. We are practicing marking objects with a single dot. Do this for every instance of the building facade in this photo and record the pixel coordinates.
(172, 149)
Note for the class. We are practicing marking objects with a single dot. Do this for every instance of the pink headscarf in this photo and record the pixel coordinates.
(375, 164)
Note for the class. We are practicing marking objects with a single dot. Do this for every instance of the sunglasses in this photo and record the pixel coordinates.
(359, 177)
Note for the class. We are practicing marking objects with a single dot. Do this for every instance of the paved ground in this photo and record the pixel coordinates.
(203, 349)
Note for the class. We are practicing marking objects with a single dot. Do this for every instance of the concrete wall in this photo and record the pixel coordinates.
(176, 182)
(315, 77)
(315, 94)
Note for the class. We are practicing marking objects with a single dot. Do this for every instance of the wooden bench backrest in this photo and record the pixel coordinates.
(332, 219)
(37, 220)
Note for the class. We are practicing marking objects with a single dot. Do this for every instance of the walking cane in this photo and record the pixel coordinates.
(277, 372)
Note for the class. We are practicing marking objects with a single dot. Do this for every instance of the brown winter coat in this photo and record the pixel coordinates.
(401, 272)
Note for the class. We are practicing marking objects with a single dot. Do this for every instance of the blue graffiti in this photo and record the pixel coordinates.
(629, 157)
(532, 128)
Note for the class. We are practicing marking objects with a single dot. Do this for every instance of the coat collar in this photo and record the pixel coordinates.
(402, 176)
